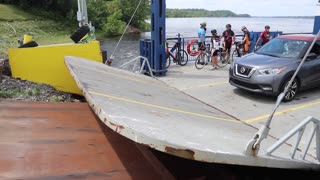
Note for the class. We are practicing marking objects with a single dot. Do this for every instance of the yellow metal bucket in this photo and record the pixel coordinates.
(26, 38)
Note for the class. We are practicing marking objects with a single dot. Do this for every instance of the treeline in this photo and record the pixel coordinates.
(110, 16)
(202, 13)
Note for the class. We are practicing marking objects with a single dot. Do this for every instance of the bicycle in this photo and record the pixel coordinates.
(177, 54)
(238, 52)
(203, 58)
(201, 61)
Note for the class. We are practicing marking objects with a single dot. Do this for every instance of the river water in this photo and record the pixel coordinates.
(128, 48)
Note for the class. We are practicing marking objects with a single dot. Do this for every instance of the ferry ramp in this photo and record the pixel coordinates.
(151, 112)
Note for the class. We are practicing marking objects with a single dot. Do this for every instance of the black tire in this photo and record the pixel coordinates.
(236, 55)
(80, 33)
(222, 61)
(200, 61)
(168, 62)
(292, 91)
(183, 57)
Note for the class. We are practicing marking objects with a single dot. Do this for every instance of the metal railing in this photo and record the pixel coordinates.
(300, 129)
(137, 59)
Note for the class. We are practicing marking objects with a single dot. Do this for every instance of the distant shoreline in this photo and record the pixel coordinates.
(303, 17)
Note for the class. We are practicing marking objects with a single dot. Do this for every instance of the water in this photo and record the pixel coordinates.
(128, 48)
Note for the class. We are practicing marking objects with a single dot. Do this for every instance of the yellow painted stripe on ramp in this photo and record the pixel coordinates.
(204, 85)
(283, 111)
(162, 107)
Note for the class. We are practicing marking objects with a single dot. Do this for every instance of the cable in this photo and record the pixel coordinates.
(109, 61)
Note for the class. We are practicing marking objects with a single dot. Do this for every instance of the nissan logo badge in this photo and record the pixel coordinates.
(242, 69)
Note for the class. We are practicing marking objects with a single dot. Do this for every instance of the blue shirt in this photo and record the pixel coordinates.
(203, 33)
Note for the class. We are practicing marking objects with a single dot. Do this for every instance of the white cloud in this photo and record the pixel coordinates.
(252, 7)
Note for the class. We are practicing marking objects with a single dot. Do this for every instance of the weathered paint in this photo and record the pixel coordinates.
(171, 121)
(45, 64)
(40, 141)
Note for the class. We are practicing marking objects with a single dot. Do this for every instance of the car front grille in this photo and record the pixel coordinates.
(243, 71)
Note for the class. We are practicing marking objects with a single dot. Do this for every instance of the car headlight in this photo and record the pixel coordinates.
(271, 71)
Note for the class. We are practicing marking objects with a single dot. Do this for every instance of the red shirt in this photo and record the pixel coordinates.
(265, 35)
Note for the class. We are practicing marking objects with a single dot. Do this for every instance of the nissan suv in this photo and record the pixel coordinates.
(270, 68)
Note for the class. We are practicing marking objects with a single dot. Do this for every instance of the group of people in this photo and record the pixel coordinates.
(228, 37)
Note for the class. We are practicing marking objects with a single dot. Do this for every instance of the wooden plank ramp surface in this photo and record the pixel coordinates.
(49, 141)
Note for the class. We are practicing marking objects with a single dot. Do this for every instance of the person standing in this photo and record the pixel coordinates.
(216, 46)
(229, 38)
(202, 36)
(264, 36)
(246, 41)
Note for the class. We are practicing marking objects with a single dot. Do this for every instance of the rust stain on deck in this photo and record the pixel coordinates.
(186, 153)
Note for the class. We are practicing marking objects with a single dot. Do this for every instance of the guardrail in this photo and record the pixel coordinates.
(300, 129)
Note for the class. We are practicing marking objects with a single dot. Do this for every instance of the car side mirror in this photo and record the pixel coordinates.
(312, 56)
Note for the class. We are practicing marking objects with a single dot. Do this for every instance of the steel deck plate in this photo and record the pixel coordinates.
(150, 112)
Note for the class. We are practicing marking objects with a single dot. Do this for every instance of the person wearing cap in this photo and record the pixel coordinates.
(202, 36)
(229, 38)
(216, 47)
(265, 36)
(246, 41)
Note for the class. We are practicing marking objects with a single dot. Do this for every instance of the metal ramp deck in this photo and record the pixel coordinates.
(152, 113)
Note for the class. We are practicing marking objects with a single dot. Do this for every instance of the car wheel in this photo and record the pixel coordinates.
(292, 91)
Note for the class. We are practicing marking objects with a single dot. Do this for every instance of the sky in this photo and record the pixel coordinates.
(252, 7)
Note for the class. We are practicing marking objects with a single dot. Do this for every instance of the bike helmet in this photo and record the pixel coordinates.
(203, 23)
(267, 27)
(213, 31)
(228, 26)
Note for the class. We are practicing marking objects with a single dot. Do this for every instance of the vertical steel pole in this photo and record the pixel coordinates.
(82, 14)
(316, 26)
(158, 36)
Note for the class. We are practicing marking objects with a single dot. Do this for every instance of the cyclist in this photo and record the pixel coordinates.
(265, 36)
(229, 38)
(216, 46)
(246, 41)
(202, 36)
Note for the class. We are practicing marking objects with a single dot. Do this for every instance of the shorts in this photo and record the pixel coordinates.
(215, 52)
(201, 47)
(228, 46)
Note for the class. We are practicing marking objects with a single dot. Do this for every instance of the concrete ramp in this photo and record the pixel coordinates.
(150, 112)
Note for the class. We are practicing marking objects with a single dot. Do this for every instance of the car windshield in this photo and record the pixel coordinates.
(280, 47)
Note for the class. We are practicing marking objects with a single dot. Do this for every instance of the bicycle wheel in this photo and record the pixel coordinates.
(183, 57)
(236, 55)
(200, 61)
(168, 62)
(222, 61)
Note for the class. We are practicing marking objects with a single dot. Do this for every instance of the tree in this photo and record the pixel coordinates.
(114, 26)
(128, 7)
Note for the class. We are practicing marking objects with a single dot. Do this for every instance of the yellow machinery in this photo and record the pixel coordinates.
(45, 64)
